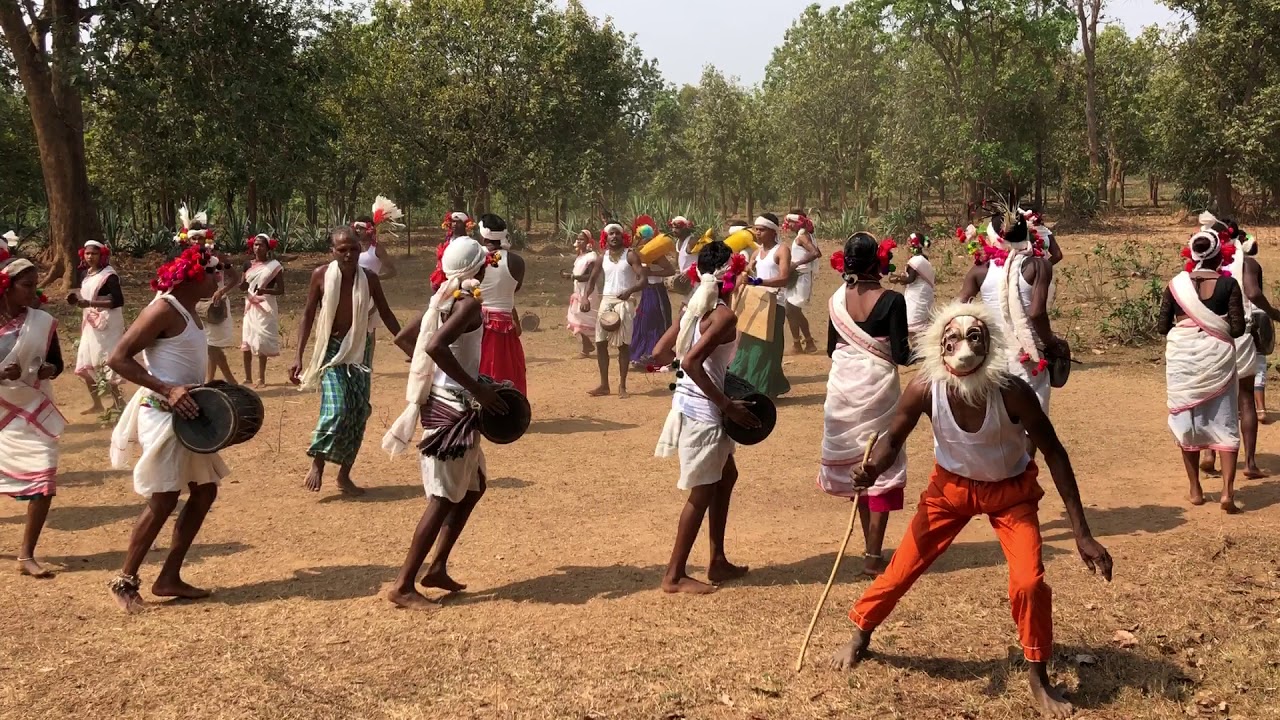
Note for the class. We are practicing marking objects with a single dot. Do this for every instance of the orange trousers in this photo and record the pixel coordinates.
(946, 506)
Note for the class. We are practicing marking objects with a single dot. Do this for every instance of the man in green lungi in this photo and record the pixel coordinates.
(758, 361)
(340, 302)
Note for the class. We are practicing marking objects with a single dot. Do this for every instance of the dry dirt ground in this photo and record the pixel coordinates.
(563, 618)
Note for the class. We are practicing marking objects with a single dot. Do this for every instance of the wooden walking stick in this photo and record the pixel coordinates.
(853, 517)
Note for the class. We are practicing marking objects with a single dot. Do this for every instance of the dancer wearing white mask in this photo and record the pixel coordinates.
(1201, 314)
(444, 382)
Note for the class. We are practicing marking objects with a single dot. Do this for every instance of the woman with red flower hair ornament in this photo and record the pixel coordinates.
(263, 285)
(1201, 314)
(373, 257)
(171, 342)
(919, 280)
(804, 251)
(704, 341)
(30, 424)
(867, 339)
(101, 300)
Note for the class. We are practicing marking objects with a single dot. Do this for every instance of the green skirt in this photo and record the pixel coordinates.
(760, 363)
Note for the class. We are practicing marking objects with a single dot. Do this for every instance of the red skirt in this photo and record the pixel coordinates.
(501, 354)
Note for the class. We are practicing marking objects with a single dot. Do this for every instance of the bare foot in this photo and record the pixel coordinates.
(622, 393)
(873, 567)
(177, 589)
(722, 571)
(94, 410)
(810, 347)
(688, 585)
(31, 568)
(1208, 466)
(128, 600)
(852, 652)
(1253, 472)
(1051, 702)
(260, 384)
(315, 479)
(1231, 507)
(410, 600)
(349, 488)
(599, 392)
(1196, 496)
(583, 355)
(796, 347)
(442, 581)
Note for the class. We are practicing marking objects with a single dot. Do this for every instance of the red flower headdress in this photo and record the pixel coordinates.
(190, 265)
(1220, 245)
(885, 253)
(447, 222)
(604, 236)
(250, 242)
(102, 249)
(679, 222)
(737, 266)
(794, 222)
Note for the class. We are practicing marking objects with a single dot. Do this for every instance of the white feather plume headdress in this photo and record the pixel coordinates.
(186, 219)
(11, 239)
(994, 372)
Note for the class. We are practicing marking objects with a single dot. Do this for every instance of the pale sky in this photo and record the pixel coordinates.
(738, 36)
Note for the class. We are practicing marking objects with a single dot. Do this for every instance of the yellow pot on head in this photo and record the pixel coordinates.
(660, 245)
(741, 240)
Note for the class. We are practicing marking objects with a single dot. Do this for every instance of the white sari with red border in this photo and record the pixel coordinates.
(100, 330)
(260, 331)
(862, 397)
(1200, 374)
(30, 424)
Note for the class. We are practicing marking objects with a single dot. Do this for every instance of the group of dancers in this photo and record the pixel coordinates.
(986, 369)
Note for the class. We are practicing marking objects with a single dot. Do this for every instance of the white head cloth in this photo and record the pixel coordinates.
(459, 217)
(95, 243)
(498, 236)
(613, 226)
(16, 267)
(10, 238)
(1213, 251)
(735, 228)
(703, 300)
(461, 261)
(765, 222)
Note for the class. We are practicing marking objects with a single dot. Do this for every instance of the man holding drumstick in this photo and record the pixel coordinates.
(982, 416)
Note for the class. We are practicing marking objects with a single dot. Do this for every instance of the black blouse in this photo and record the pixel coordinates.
(1226, 301)
(111, 288)
(887, 319)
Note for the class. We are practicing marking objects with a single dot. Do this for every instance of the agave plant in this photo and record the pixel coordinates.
(838, 227)
(286, 225)
(112, 225)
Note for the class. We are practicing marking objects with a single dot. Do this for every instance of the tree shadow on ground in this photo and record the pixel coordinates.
(571, 585)
(800, 400)
(92, 478)
(326, 583)
(569, 426)
(377, 494)
(83, 518)
(507, 483)
(112, 560)
(1100, 684)
(1257, 494)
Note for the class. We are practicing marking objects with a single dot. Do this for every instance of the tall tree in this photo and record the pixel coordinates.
(46, 47)
(1087, 12)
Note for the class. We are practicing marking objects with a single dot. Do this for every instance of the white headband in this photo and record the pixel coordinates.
(679, 220)
(765, 222)
(735, 228)
(459, 216)
(498, 236)
(1214, 249)
(94, 243)
(613, 226)
(792, 217)
(16, 267)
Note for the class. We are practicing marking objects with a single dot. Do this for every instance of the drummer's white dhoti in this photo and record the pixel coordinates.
(165, 465)
(704, 449)
(453, 479)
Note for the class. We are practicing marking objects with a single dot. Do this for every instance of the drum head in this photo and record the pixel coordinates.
(1264, 333)
(1060, 368)
(610, 320)
(511, 426)
(737, 388)
(764, 410)
(213, 428)
(529, 322)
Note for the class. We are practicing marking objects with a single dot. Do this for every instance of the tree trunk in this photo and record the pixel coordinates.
(55, 105)
(1153, 189)
(1087, 12)
(457, 199)
(351, 197)
(528, 214)
(1223, 194)
(1038, 193)
(251, 204)
(312, 208)
(1115, 180)
(751, 206)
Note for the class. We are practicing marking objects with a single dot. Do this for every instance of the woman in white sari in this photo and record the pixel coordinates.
(263, 285)
(919, 280)
(102, 323)
(30, 424)
(1201, 314)
(867, 341)
(582, 323)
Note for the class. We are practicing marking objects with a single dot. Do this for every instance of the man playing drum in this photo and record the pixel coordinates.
(171, 341)
(341, 299)
(444, 377)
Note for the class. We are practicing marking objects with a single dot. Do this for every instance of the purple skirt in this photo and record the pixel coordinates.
(653, 317)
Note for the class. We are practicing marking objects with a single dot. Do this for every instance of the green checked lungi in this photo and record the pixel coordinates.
(344, 408)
